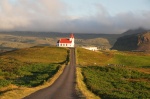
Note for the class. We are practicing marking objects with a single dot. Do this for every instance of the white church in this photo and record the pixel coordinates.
(66, 42)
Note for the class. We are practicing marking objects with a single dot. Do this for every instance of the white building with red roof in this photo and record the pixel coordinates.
(66, 42)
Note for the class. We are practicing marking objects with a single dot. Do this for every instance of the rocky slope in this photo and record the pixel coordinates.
(144, 41)
(137, 41)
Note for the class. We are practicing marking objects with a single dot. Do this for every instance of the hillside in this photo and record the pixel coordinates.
(30, 67)
(134, 31)
(115, 74)
(8, 41)
(99, 42)
(139, 41)
(24, 39)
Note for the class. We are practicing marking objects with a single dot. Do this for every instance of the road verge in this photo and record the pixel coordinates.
(81, 87)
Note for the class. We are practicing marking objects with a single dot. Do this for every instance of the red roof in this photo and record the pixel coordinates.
(64, 40)
(71, 35)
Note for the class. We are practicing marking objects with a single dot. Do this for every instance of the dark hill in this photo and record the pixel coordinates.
(137, 41)
(134, 31)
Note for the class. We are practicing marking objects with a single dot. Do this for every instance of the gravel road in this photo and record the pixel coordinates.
(64, 86)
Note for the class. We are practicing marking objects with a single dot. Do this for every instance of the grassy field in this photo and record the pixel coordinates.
(88, 58)
(117, 83)
(114, 74)
(36, 55)
(135, 60)
(131, 59)
(81, 87)
(30, 67)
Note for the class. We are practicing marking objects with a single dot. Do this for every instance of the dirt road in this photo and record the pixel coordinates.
(64, 86)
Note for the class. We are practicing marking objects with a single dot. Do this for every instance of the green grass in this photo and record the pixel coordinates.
(30, 76)
(117, 83)
(31, 67)
(34, 75)
(116, 75)
(130, 60)
(103, 58)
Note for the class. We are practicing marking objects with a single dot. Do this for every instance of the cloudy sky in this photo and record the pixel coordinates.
(82, 16)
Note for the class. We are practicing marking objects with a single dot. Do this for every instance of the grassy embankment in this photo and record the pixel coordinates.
(81, 88)
(126, 76)
(21, 71)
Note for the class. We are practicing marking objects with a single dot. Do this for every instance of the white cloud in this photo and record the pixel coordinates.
(26, 14)
(51, 15)
(103, 22)
(12, 16)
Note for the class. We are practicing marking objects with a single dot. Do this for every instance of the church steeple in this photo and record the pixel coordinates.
(71, 35)
(72, 39)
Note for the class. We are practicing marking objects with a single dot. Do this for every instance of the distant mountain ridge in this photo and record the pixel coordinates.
(138, 39)
(23, 39)
(110, 37)
(135, 31)
(133, 39)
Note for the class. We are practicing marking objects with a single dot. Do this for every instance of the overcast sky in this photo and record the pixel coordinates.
(82, 16)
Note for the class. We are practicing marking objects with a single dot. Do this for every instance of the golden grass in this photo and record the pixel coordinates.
(136, 53)
(37, 54)
(103, 58)
(91, 58)
(82, 87)
(22, 57)
(21, 92)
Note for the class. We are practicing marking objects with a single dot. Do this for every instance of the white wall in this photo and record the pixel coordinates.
(65, 45)
(91, 48)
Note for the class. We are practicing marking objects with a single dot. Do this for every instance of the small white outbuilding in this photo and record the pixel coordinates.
(91, 48)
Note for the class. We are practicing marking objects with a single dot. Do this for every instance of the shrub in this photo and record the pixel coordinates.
(4, 83)
(36, 74)
(115, 82)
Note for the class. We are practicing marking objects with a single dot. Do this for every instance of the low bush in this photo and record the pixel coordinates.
(34, 75)
(116, 82)
(30, 76)
(4, 83)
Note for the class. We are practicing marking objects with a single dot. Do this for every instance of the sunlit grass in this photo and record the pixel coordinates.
(115, 74)
(30, 67)
(87, 57)
(37, 54)
(104, 58)
(130, 60)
